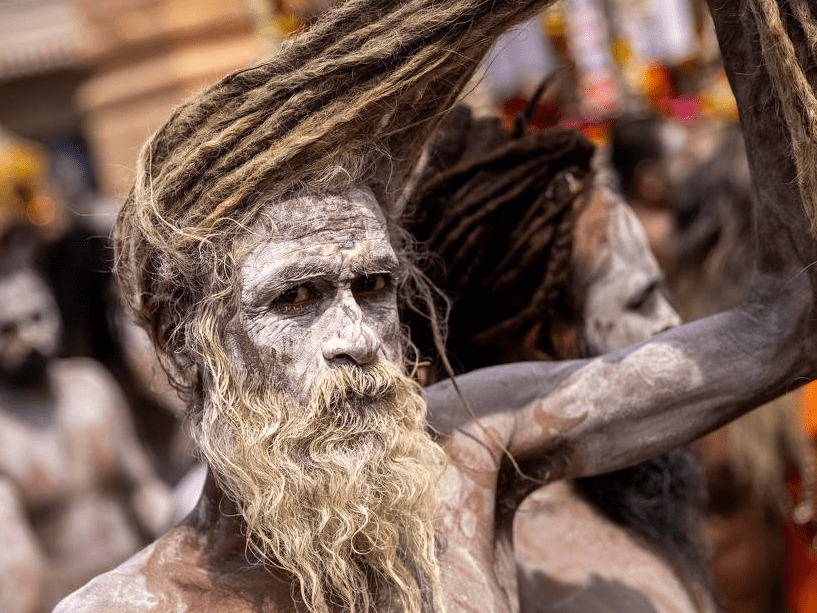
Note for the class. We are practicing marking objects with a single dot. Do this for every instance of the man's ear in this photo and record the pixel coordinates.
(160, 332)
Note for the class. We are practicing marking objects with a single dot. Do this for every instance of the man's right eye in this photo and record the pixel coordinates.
(294, 298)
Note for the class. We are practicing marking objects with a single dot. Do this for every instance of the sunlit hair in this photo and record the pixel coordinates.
(340, 493)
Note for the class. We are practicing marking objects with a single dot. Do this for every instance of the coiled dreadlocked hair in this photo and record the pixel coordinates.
(497, 213)
(509, 193)
(350, 101)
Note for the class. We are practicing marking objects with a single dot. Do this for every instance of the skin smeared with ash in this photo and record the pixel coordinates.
(557, 419)
(321, 442)
(334, 290)
(21, 557)
(67, 450)
(325, 261)
(598, 561)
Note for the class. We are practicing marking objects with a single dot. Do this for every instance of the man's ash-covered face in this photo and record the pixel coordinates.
(29, 325)
(318, 289)
(308, 422)
(625, 303)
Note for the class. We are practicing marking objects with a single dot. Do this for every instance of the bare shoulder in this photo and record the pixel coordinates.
(121, 590)
(81, 372)
(86, 386)
(172, 575)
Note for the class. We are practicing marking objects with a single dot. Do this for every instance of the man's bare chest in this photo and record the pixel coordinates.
(75, 452)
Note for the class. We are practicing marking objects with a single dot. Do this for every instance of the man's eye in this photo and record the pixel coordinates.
(371, 283)
(294, 297)
(643, 299)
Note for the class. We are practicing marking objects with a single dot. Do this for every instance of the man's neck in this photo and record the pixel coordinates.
(219, 518)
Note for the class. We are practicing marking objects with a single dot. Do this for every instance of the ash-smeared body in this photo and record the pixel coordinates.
(335, 306)
(515, 241)
(557, 419)
(22, 561)
(576, 550)
(67, 451)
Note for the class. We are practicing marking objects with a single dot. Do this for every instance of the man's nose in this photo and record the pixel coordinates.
(666, 317)
(352, 338)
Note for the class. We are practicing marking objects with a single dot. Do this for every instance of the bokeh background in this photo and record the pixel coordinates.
(83, 83)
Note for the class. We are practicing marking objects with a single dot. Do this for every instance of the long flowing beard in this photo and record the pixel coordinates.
(341, 493)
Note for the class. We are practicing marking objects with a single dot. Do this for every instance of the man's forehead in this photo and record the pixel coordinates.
(308, 214)
(628, 239)
(317, 235)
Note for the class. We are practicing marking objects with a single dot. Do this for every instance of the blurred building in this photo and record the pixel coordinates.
(91, 79)
(39, 68)
(146, 56)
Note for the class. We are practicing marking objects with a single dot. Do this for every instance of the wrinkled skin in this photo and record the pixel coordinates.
(570, 557)
(559, 420)
(67, 455)
(325, 292)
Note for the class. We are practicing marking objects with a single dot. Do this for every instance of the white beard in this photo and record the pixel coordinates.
(341, 493)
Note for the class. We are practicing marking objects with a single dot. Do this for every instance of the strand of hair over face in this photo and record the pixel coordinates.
(788, 36)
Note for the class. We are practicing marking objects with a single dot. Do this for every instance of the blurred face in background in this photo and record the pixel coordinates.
(624, 302)
(30, 326)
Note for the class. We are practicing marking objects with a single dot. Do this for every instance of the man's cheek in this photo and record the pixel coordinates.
(303, 366)
(389, 333)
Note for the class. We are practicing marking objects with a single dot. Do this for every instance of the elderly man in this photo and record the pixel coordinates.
(260, 249)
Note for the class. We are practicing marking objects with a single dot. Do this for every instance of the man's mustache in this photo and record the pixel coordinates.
(357, 387)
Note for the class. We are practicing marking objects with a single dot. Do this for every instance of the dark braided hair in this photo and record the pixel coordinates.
(486, 190)
(495, 213)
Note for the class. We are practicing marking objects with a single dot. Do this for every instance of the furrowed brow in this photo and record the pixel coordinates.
(372, 265)
(280, 278)
(298, 271)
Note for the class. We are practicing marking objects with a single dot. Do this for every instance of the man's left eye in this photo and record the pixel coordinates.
(643, 299)
(371, 283)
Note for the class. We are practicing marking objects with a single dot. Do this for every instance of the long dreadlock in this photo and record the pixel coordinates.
(486, 191)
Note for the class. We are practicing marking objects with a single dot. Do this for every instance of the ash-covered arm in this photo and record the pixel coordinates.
(587, 417)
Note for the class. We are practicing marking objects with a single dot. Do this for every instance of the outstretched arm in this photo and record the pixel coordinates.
(603, 414)
(613, 411)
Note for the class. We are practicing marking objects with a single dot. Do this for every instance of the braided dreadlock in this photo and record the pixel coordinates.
(501, 219)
